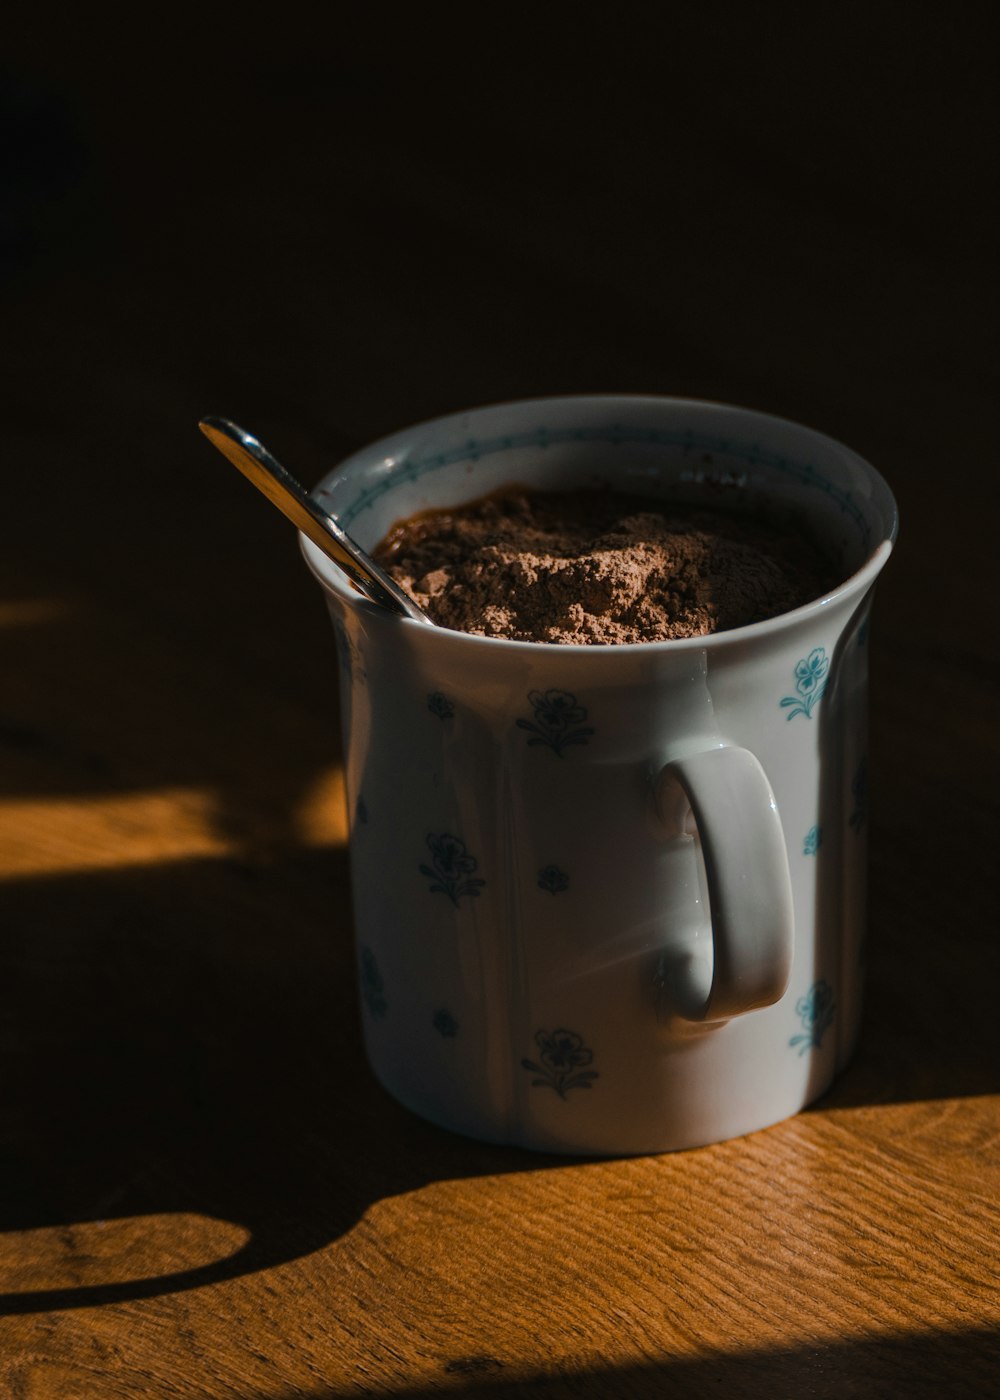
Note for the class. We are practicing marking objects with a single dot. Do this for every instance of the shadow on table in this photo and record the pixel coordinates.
(186, 1039)
(943, 1363)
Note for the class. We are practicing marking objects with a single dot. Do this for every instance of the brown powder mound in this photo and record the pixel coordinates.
(597, 567)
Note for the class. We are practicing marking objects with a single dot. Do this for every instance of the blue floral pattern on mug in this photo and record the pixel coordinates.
(445, 1024)
(815, 1011)
(372, 988)
(564, 1058)
(810, 683)
(451, 869)
(859, 791)
(813, 841)
(553, 879)
(440, 705)
(558, 720)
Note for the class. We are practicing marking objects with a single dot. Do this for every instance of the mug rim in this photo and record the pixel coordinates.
(857, 583)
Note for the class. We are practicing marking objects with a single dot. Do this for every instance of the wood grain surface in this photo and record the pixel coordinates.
(204, 1193)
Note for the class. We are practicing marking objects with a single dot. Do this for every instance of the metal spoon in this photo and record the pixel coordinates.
(283, 491)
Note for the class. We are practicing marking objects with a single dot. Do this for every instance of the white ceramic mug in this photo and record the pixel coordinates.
(610, 899)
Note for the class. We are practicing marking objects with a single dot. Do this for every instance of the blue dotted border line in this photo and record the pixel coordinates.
(614, 434)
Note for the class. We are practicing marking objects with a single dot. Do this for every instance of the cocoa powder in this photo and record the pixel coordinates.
(598, 567)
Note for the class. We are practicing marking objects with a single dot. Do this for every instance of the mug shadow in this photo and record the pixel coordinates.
(953, 1362)
(175, 1044)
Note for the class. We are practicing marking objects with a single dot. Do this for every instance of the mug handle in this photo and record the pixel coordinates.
(749, 885)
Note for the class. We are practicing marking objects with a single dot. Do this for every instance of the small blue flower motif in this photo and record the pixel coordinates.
(859, 791)
(451, 869)
(553, 879)
(445, 1024)
(372, 989)
(813, 841)
(810, 672)
(558, 720)
(440, 705)
(815, 1011)
(810, 683)
(564, 1058)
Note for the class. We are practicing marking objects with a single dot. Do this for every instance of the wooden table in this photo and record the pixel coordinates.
(205, 1193)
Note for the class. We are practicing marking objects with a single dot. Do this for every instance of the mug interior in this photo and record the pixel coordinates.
(703, 454)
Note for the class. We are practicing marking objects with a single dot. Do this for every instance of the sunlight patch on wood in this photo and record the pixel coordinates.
(95, 1253)
(50, 836)
(322, 816)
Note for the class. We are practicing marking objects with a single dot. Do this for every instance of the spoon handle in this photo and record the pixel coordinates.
(283, 491)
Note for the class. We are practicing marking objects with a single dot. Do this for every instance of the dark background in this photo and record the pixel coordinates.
(332, 234)
(328, 234)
